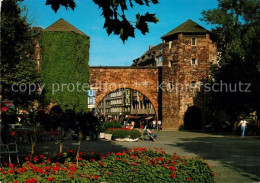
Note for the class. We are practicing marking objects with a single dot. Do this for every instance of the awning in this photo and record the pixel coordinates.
(134, 117)
(149, 117)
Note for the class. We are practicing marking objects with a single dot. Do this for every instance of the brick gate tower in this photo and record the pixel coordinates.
(185, 56)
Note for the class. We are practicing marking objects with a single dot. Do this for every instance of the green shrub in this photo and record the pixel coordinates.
(119, 134)
(134, 134)
(108, 132)
(102, 128)
(111, 124)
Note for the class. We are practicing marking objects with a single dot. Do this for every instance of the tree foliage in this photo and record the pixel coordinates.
(65, 69)
(18, 64)
(114, 13)
(237, 33)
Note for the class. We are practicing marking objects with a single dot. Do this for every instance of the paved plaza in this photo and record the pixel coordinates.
(234, 159)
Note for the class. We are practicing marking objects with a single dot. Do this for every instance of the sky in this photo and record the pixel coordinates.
(110, 50)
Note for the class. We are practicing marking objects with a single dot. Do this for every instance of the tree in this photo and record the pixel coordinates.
(237, 34)
(114, 13)
(18, 65)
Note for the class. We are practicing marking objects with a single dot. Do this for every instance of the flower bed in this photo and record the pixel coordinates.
(137, 165)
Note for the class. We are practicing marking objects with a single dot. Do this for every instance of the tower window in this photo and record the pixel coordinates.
(194, 61)
(170, 63)
(193, 84)
(193, 41)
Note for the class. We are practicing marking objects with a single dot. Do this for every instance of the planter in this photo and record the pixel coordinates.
(102, 135)
(108, 136)
(127, 140)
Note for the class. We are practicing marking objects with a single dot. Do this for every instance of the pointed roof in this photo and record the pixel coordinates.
(63, 25)
(187, 27)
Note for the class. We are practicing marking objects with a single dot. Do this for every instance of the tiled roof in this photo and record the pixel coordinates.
(63, 25)
(187, 27)
(153, 49)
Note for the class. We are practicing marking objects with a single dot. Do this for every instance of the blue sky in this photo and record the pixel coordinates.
(109, 50)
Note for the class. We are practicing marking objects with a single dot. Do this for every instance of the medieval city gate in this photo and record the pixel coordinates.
(142, 79)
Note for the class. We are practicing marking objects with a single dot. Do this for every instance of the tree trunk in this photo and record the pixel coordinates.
(61, 141)
(33, 144)
(77, 156)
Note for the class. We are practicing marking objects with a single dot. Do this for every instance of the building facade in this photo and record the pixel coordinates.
(120, 104)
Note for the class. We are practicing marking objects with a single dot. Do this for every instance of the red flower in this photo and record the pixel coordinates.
(16, 181)
(79, 158)
(124, 160)
(13, 133)
(11, 165)
(189, 179)
(172, 167)
(50, 179)
(103, 157)
(119, 154)
(4, 108)
(174, 162)
(83, 164)
(101, 163)
(173, 175)
(70, 151)
(117, 159)
(11, 171)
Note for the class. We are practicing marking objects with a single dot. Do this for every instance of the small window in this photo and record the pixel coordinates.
(193, 61)
(170, 63)
(193, 41)
(193, 84)
(170, 44)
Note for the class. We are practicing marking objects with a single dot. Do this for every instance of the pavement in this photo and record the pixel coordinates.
(234, 159)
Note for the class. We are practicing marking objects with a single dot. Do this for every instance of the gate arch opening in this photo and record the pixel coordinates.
(127, 103)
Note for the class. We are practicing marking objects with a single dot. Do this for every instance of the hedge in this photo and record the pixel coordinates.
(110, 124)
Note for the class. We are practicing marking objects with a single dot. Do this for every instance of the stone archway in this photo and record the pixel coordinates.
(154, 102)
(142, 79)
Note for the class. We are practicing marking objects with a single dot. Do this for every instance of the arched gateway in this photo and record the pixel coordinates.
(142, 79)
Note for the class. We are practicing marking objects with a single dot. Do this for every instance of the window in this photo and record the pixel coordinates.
(170, 63)
(194, 61)
(159, 60)
(193, 41)
(170, 44)
(193, 84)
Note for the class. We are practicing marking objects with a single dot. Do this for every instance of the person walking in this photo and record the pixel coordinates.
(154, 124)
(159, 125)
(243, 123)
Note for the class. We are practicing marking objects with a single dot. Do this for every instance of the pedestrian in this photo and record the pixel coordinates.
(154, 124)
(243, 123)
(159, 125)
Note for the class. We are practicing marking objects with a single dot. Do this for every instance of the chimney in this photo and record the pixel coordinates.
(150, 47)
